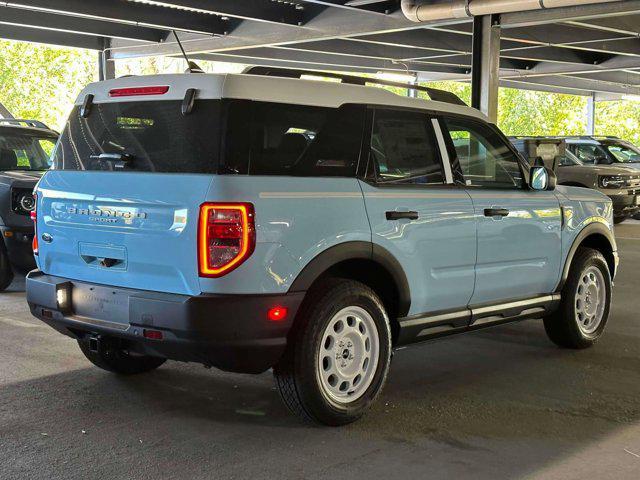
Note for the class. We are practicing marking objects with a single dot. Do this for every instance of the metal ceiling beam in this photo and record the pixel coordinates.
(627, 24)
(328, 24)
(284, 56)
(576, 83)
(82, 26)
(63, 39)
(380, 6)
(132, 13)
(257, 10)
(580, 12)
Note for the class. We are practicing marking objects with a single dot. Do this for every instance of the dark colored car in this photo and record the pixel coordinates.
(25, 146)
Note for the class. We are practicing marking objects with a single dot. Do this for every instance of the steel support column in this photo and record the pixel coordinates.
(485, 65)
(106, 64)
(4, 112)
(591, 115)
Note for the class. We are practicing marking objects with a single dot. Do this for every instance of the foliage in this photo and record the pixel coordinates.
(42, 82)
(619, 118)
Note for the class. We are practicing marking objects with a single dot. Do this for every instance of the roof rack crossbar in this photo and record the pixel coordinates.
(434, 93)
(22, 121)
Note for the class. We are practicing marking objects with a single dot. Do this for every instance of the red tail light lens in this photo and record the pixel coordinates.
(226, 237)
(138, 91)
(34, 216)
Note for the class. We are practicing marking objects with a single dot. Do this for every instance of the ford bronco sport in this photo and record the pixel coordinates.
(618, 181)
(251, 222)
(25, 146)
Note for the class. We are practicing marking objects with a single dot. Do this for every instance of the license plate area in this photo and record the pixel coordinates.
(100, 303)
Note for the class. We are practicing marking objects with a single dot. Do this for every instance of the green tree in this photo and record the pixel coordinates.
(42, 82)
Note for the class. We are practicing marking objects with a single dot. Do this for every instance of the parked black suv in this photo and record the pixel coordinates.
(25, 146)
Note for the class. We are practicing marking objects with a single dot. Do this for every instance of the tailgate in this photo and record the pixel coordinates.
(132, 230)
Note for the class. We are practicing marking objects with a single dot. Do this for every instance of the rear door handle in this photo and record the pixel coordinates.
(496, 212)
(402, 215)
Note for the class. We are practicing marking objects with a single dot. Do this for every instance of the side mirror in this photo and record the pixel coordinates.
(542, 178)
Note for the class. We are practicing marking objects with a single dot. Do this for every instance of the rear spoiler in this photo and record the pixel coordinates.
(434, 93)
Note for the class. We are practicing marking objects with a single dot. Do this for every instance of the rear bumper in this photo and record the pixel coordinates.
(230, 332)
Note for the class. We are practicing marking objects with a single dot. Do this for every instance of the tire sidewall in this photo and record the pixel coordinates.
(593, 260)
(307, 362)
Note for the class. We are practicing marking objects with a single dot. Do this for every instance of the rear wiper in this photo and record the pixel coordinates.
(113, 157)
(119, 160)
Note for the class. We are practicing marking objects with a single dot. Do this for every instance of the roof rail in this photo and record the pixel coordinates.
(23, 122)
(434, 94)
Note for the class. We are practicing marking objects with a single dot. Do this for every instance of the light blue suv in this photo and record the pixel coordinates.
(252, 222)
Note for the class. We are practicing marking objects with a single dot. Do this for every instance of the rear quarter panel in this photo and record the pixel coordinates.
(296, 219)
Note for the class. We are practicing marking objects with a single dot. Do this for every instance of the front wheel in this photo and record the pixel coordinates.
(338, 358)
(585, 304)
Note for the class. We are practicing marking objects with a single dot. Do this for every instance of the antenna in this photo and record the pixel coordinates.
(192, 67)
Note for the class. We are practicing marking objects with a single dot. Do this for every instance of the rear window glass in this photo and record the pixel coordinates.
(280, 139)
(145, 136)
(25, 152)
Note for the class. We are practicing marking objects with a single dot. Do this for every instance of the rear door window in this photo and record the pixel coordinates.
(404, 149)
(280, 139)
(154, 136)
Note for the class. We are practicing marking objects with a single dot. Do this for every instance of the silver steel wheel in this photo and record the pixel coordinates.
(590, 300)
(348, 356)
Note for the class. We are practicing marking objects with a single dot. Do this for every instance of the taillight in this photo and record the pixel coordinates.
(34, 216)
(226, 237)
(138, 91)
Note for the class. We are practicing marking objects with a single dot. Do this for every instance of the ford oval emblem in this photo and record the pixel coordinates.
(47, 238)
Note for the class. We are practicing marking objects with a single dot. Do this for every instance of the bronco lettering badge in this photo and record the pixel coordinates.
(108, 213)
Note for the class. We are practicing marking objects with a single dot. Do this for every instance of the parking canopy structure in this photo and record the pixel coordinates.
(586, 47)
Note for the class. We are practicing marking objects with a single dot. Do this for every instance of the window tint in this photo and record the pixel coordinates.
(280, 139)
(25, 152)
(484, 157)
(154, 134)
(404, 149)
(590, 154)
(623, 153)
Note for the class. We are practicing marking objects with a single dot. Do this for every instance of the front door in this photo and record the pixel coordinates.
(519, 243)
(417, 213)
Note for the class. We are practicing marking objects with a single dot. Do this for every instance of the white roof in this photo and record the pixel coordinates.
(268, 89)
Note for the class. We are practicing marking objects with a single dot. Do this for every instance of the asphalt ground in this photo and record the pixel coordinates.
(501, 403)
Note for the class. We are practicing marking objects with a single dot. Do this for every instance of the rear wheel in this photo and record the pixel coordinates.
(338, 358)
(6, 271)
(586, 299)
(111, 356)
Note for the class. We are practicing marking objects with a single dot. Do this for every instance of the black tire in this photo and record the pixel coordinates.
(6, 271)
(297, 372)
(562, 327)
(618, 220)
(113, 358)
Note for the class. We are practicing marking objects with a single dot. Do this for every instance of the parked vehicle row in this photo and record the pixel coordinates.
(25, 148)
(252, 222)
(619, 180)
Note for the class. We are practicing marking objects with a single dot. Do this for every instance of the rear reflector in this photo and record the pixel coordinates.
(153, 334)
(226, 237)
(277, 314)
(138, 91)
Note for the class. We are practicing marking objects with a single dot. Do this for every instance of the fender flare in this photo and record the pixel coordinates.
(356, 250)
(591, 229)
